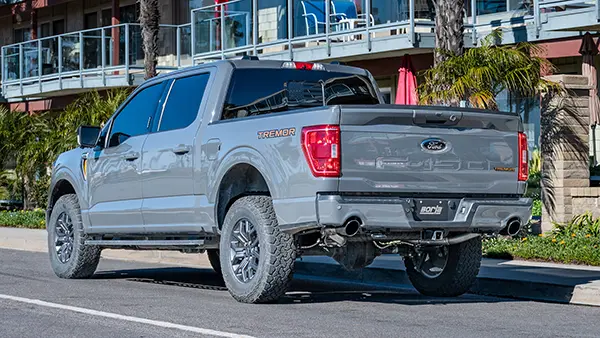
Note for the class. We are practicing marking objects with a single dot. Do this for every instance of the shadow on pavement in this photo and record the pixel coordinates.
(303, 290)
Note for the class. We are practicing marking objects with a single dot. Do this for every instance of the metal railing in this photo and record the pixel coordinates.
(234, 27)
(281, 27)
(100, 52)
(563, 6)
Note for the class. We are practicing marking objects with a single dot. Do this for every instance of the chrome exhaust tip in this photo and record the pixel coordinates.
(350, 228)
(512, 227)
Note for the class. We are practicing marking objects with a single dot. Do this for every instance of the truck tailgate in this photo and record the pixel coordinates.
(429, 150)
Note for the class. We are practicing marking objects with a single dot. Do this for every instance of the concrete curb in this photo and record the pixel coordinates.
(583, 294)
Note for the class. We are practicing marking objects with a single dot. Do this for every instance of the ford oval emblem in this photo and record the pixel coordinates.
(434, 146)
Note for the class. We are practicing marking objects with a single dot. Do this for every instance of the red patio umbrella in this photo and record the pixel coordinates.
(406, 93)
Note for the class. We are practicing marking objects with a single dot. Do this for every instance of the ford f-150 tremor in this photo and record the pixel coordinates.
(260, 162)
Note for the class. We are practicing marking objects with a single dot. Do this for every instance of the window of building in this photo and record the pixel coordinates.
(106, 17)
(45, 30)
(22, 35)
(183, 102)
(130, 14)
(135, 117)
(289, 89)
(528, 109)
(58, 27)
(90, 20)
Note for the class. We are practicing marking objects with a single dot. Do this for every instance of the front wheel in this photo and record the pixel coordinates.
(257, 259)
(70, 257)
(446, 271)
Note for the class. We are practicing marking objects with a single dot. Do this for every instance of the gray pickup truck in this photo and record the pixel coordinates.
(260, 162)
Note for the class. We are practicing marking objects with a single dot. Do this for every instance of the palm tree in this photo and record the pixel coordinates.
(481, 73)
(21, 141)
(91, 109)
(33, 142)
(449, 28)
(150, 19)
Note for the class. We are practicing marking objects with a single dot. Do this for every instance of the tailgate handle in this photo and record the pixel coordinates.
(436, 118)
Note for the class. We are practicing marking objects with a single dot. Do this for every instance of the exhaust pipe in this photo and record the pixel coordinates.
(349, 229)
(446, 241)
(512, 227)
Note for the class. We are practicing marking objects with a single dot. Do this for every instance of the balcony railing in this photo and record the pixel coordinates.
(305, 30)
(590, 9)
(282, 27)
(102, 53)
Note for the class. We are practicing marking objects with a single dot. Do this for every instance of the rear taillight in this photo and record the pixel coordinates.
(303, 65)
(523, 158)
(321, 145)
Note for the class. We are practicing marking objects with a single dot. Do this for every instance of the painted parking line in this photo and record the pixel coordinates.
(125, 318)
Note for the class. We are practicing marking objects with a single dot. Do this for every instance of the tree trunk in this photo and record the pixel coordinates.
(149, 20)
(449, 28)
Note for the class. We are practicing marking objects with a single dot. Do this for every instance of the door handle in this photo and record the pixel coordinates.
(131, 156)
(181, 150)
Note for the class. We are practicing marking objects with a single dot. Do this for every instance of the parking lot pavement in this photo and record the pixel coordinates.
(574, 284)
(127, 299)
(514, 279)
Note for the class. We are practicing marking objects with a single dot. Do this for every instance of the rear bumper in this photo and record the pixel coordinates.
(394, 214)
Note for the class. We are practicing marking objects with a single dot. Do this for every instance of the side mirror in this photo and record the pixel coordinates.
(87, 136)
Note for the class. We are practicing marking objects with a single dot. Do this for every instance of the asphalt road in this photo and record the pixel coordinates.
(142, 300)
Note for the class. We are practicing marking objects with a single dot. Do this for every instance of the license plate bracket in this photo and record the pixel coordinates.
(431, 210)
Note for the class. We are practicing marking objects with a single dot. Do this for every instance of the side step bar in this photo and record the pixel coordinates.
(183, 245)
(145, 243)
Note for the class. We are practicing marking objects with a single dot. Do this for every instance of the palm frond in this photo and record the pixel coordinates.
(481, 73)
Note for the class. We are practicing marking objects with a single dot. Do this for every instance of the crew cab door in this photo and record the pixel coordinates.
(168, 158)
(114, 181)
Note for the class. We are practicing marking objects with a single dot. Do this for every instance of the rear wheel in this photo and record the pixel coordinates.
(69, 256)
(257, 259)
(446, 271)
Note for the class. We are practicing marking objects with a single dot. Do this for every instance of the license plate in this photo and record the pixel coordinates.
(431, 210)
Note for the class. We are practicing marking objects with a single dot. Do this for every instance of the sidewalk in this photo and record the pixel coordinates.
(36, 240)
(561, 283)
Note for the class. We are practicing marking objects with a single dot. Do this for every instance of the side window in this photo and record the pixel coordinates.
(183, 102)
(133, 119)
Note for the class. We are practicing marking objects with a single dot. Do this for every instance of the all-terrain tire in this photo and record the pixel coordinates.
(459, 274)
(214, 259)
(276, 257)
(84, 258)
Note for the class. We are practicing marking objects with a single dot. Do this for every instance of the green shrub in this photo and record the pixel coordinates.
(537, 208)
(34, 219)
(40, 192)
(560, 249)
(535, 176)
(577, 242)
(580, 226)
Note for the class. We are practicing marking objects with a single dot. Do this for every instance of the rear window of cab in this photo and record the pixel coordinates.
(256, 91)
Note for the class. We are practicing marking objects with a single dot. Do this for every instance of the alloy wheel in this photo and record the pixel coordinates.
(64, 237)
(432, 261)
(244, 250)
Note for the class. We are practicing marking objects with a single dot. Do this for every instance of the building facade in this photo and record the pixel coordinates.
(55, 49)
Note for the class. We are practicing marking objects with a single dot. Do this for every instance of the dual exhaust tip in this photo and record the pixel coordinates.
(350, 228)
(513, 226)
